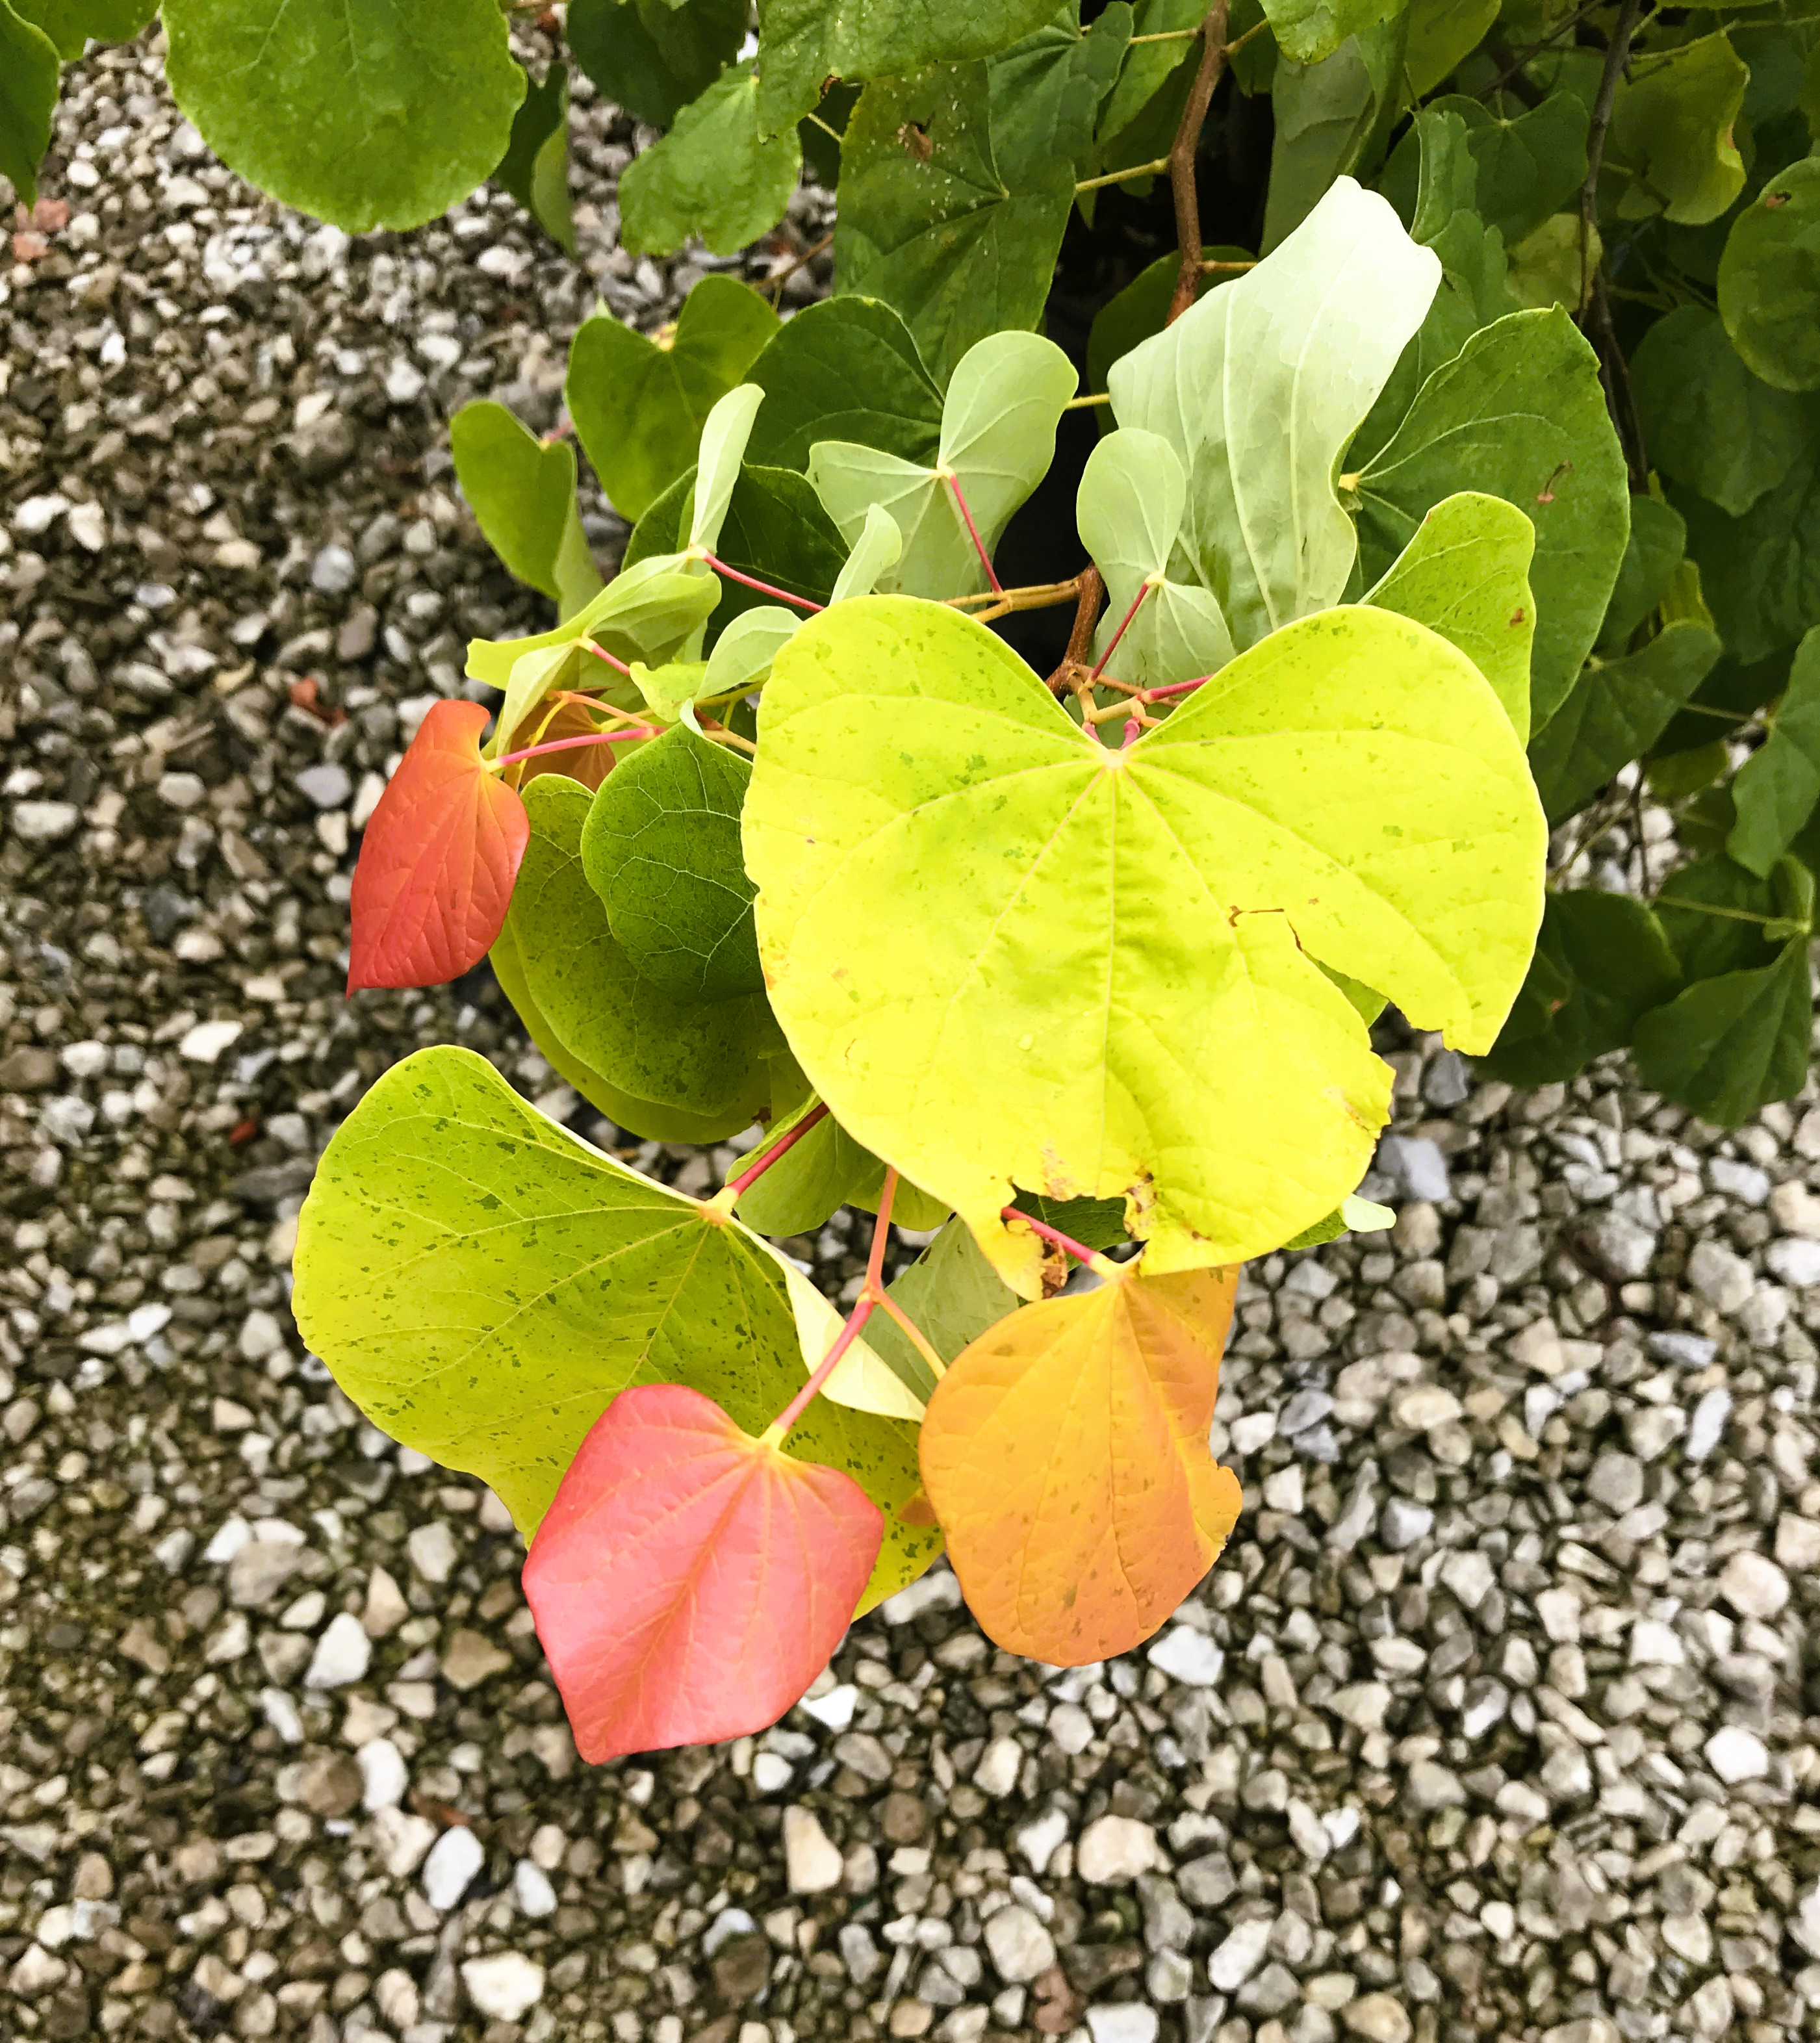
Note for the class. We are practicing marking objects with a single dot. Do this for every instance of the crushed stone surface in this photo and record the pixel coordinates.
(1500, 1717)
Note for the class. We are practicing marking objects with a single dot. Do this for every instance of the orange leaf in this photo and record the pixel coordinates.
(1065, 1454)
(689, 1583)
(437, 866)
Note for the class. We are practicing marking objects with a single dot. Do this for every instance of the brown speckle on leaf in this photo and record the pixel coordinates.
(915, 138)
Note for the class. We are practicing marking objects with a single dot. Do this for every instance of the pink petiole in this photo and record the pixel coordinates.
(1042, 1230)
(973, 532)
(600, 652)
(862, 1312)
(781, 1147)
(763, 588)
(572, 744)
(1125, 625)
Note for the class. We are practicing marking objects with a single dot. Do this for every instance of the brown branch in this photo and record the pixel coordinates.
(1616, 52)
(1614, 373)
(1182, 153)
(1067, 676)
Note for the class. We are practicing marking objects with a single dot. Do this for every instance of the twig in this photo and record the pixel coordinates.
(1617, 50)
(571, 744)
(1082, 403)
(1122, 177)
(1030, 596)
(1183, 152)
(774, 283)
(1066, 679)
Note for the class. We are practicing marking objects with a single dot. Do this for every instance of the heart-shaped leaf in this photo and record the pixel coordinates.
(1007, 955)
(439, 860)
(846, 369)
(523, 492)
(689, 1581)
(715, 174)
(1065, 1455)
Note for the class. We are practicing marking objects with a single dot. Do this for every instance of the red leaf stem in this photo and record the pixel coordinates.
(600, 652)
(973, 530)
(763, 588)
(843, 1340)
(1044, 1232)
(1125, 625)
(570, 744)
(754, 1171)
(1175, 688)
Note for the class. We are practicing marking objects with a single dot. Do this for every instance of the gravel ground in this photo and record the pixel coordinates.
(1501, 1717)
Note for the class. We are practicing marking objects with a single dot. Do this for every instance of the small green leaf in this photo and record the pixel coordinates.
(804, 43)
(1656, 548)
(743, 653)
(28, 74)
(953, 1294)
(998, 440)
(661, 847)
(1519, 414)
(1709, 421)
(1225, 386)
(1615, 712)
(1728, 1046)
(522, 490)
(535, 166)
(724, 435)
(1046, 91)
(1545, 267)
(1308, 30)
(1769, 279)
(1777, 786)
(649, 610)
(1440, 34)
(1529, 162)
(1093, 1223)
(844, 370)
(822, 1171)
(382, 116)
(878, 549)
(72, 24)
(652, 57)
(639, 405)
(1672, 132)
(1465, 576)
(1600, 961)
(714, 175)
(708, 1058)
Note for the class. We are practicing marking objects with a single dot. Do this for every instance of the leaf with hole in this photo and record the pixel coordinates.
(438, 860)
(521, 491)
(1349, 792)
(1065, 1455)
(715, 174)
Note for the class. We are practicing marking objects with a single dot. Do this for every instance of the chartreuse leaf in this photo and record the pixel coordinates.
(1465, 575)
(1761, 573)
(1519, 414)
(29, 75)
(804, 43)
(1769, 279)
(1065, 1455)
(709, 1058)
(1600, 962)
(1129, 510)
(715, 174)
(1672, 132)
(1142, 308)
(1656, 548)
(998, 440)
(534, 168)
(1709, 422)
(1777, 786)
(483, 1284)
(1349, 792)
(652, 57)
(522, 490)
(1259, 387)
(437, 859)
(1615, 711)
(930, 220)
(846, 369)
(661, 847)
(1331, 120)
(1529, 162)
(725, 433)
(690, 1581)
(878, 549)
(382, 116)
(639, 405)
(72, 24)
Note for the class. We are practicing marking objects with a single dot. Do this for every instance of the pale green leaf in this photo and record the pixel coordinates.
(1672, 132)
(879, 548)
(1709, 421)
(1465, 576)
(1102, 975)
(1769, 279)
(381, 116)
(652, 58)
(725, 433)
(714, 175)
(1545, 266)
(743, 653)
(483, 1284)
(521, 491)
(1129, 510)
(1259, 387)
(29, 75)
(1777, 786)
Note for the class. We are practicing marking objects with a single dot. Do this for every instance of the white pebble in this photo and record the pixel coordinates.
(342, 1654)
(503, 1987)
(532, 1888)
(454, 1858)
(383, 1773)
(811, 1860)
(1736, 1754)
(1188, 1656)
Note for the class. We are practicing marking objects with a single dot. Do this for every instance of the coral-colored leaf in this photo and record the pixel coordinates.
(1065, 1455)
(690, 1581)
(440, 856)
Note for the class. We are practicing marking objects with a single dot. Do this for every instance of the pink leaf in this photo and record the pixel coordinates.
(438, 863)
(689, 1581)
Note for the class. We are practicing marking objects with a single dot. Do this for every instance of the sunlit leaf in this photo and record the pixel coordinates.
(1769, 279)
(689, 1581)
(522, 490)
(1350, 791)
(652, 57)
(724, 432)
(1777, 786)
(1465, 575)
(438, 861)
(877, 549)
(1065, 1455)
(715, 174)
(1711, 423)
(846, 369)
(483, 1284)
(1671, 131)
(1230, 386)
(743, 653)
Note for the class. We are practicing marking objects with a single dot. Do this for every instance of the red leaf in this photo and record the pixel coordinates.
(441, 852)
(689, 1581)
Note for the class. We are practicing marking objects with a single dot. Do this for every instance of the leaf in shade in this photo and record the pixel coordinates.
(953, 1294)
(1727, 1046)
(1760, 571)
(1711, 423)
(29, 80)
(534, 168)
(1529, 162)
(522, 490)
(72, 24)
(844, 370)
(1769, 279)
(1777, 786)
(689, 1581)
(1065, 1455)
(1331, 120)
(652, 57)
(714, 174)
(1656, 548)
(439, 860)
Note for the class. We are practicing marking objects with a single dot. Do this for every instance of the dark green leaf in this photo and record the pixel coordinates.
(380, 116)
(1519, 414)
(1148, 69)
(639, 405)
(1531, 162)
(952, 1293)
(931, 223)
(535, 166)
(1600, 961)
(1728, 1046)
(1709, 422)
(1761, 573)
(523, 492)
(1046, 92)
(713, 175)
(1657, 544)
(29, 72)
(844, 370)
(1308, 30)
(1331, 119)
(1093, 1223)
(1736, 692)
(652, 57)
(72, 24)
(661, 849)
(1614, 713)
(803, 43)
(1777, 786)
(1713, 913)
(1769, 279)
(827, 1169)
(1141, 309)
